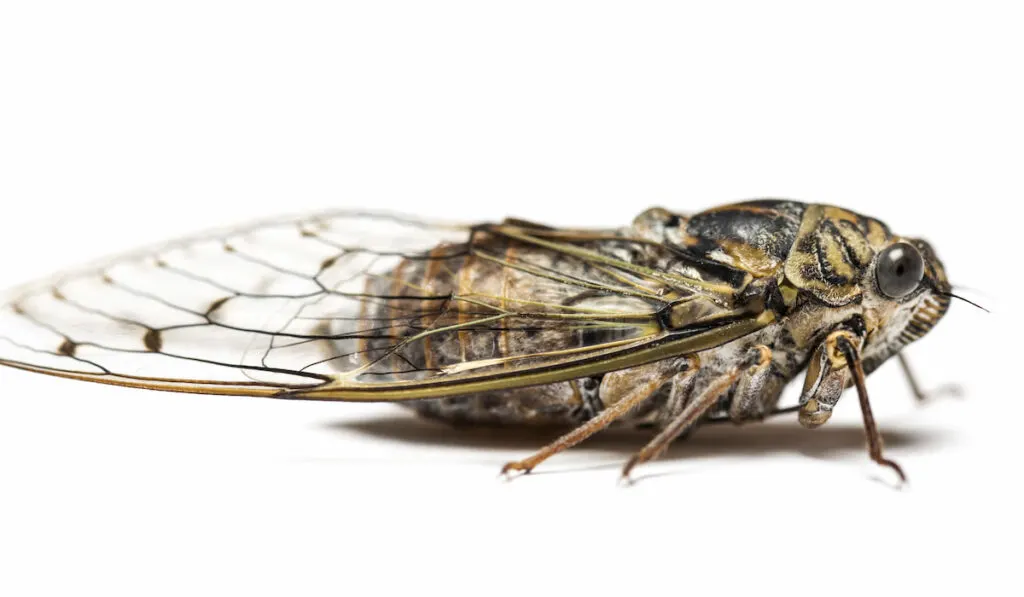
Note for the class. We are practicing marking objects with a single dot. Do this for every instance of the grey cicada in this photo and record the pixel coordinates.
(665, 323)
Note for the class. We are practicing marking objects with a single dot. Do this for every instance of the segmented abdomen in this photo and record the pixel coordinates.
(491, 300)
(492, 303)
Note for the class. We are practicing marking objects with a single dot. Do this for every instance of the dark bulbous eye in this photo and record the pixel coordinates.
(900, 270)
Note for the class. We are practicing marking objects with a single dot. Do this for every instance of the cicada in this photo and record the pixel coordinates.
(666, 323)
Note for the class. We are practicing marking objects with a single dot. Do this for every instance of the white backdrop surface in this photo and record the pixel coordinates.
(126, 123)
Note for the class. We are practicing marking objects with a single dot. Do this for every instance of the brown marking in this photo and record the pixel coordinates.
(153, 341)
(328, 263)
(764, 356)
(57, 294)
(67, 348)
(690, 241)
(217, 304)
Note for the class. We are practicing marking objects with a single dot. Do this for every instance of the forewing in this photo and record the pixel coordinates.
(352, 306)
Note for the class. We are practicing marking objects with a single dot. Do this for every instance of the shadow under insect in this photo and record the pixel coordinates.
(709, 441)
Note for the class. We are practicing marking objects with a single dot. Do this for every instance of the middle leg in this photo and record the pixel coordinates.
(693, 411)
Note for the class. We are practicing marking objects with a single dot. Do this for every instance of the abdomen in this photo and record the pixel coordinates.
(457, 333)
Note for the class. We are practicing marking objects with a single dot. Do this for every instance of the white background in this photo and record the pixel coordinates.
(125, 123)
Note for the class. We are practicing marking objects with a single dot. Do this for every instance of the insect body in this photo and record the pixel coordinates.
(668, 322)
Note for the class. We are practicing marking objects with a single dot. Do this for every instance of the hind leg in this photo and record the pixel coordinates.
(628, 389)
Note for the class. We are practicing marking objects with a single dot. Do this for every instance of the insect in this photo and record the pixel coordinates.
(668, 322)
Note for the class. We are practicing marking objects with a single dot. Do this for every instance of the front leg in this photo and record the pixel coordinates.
(852, 354)
(759, 387)
(834, 365)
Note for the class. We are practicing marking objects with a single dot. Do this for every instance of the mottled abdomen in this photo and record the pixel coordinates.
(440, 333)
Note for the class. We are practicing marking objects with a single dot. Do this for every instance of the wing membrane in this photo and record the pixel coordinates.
(359, 306)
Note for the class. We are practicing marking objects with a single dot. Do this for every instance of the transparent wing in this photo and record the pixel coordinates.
(358, 306)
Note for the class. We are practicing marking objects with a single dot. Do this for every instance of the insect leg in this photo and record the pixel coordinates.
(758, 389)
(635, 386)
(828, 374)
(683, 421)
(921, 395)
(874, 437)
(909, 374)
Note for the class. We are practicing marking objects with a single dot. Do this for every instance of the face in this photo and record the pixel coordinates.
(906, 292)
(899, 292)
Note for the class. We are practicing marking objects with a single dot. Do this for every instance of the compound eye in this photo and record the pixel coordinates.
(900, 270)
